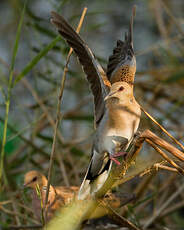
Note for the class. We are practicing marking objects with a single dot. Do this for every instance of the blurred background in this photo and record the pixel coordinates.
(159, 48)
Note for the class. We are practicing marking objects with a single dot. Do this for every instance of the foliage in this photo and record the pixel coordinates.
(29, 86)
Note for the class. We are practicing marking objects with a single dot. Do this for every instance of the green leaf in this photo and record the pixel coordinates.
(36, 59)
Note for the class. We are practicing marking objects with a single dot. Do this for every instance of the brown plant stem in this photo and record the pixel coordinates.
(162, 128)
(180, 170)
(161, 209)
(121, 220)
(58, 117)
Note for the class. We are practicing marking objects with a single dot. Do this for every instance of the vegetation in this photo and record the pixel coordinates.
(35, 99)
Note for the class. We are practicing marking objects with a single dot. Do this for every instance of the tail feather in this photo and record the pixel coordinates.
(90, 186)
(84, 189)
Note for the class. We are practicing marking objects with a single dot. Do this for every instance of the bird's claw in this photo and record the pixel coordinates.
(119, 154)
(112, 157)
(115, 161)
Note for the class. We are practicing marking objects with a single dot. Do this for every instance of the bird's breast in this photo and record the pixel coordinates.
(116, 130)
(120, 123)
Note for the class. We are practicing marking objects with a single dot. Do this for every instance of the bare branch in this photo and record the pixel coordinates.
(162, 128)
(58, 111)
(161, 209)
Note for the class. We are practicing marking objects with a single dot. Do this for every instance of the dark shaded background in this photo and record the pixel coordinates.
(159, 47)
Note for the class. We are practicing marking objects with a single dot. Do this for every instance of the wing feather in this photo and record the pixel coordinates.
(123, 52)
(98, 81)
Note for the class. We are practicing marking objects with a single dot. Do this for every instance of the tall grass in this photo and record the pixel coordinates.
(10, 86)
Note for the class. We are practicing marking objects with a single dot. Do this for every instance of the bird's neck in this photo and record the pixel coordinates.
(115, 104)
(118, 111)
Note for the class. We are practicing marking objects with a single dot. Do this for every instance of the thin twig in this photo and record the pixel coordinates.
(161, 209)
(62, 167)
(159, 44)
(17, 219)
(121, 220)
(5, 202)
(42, 106)
(162, 128)
(165, 167)
(50, 119)
(141, 205)
(75, 168)
(58, 117)
(157, 10)
(164, 144)
(177, 24)
(172, 209)
(180, 170)
(143, 185)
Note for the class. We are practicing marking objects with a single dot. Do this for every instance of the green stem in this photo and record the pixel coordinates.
(7, 103)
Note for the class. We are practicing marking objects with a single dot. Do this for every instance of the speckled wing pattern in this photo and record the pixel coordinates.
(99, 83)
(122, 64)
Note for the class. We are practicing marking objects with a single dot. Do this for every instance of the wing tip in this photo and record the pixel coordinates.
(54, 16)
(130, 33)
(122, 47)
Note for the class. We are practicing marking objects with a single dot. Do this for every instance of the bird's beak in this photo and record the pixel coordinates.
(26, 184)
(109, 95)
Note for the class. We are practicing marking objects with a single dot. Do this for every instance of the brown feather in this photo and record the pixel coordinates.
(122, 64)
(61, 196)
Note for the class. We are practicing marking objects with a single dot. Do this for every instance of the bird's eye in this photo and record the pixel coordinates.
(34, 179)
(121, 88)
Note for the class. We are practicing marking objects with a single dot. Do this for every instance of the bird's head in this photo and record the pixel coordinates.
(34, 178)
(121, 91)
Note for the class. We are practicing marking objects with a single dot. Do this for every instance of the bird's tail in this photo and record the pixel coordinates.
(122, 63)
(91, 185)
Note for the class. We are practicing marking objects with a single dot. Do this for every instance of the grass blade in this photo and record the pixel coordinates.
(36, 59)
(7, 102)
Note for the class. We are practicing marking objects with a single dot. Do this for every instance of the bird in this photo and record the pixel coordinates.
(61, 196)
(58, 196)
(113, 135)
(116, 112)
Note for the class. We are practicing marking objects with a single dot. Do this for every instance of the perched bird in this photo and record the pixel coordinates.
(117, 114)
(58, 196)
(114, 134)
(61, 196)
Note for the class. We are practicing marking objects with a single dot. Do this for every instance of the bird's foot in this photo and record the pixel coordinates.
(112, 157)
(115, 161)
(119, 154)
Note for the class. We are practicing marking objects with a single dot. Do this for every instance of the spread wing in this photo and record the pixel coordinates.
(99, 83)
(123, 54)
